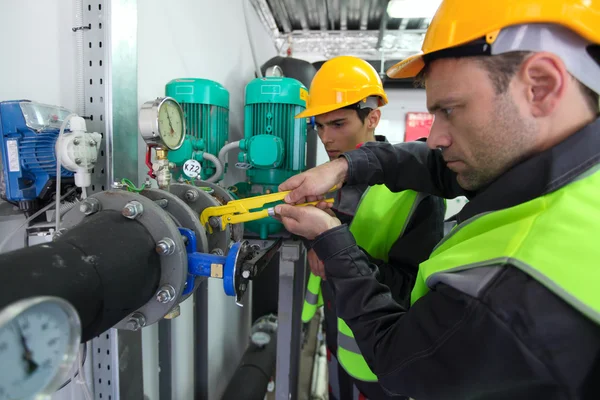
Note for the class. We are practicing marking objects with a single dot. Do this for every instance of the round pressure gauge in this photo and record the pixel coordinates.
(39, 341)
(161, 122)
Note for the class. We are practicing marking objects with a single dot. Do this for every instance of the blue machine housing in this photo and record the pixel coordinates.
(28, 155)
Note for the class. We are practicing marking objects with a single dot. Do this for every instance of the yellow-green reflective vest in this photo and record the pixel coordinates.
(381, 218)
(380, 241)
(313, 298)
(553, 239)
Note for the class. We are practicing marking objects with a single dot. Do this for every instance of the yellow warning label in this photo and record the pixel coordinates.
(303, 94)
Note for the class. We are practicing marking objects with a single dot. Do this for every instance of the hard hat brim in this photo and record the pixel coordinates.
(407, 68)
(314, 111)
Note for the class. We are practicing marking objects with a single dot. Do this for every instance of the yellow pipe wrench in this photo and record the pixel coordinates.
(239, 211)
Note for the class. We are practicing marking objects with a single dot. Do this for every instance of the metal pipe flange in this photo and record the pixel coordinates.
(160, 226)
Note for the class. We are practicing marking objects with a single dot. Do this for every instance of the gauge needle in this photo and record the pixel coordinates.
(170, 123)
(27, 355)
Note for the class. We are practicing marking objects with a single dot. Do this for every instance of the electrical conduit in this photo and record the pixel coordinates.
(218, 166)
(66, 206)
(226, 149)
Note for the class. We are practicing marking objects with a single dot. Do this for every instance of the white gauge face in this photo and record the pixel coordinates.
(36, 348)
(170, 124)
(261, 338)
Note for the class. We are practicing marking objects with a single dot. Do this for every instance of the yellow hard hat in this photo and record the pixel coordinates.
(340, 82)
(459, 22)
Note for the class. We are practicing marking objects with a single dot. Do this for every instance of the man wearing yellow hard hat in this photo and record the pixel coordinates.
(397, 230)
(508, 305)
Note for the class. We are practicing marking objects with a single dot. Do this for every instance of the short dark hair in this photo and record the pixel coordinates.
(363, 113)
(503, 67)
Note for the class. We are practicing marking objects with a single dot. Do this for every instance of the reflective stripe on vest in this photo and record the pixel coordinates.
(551, 238)
(381, 218)
(313, 298)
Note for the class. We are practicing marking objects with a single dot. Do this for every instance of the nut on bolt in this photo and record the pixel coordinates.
(136, 321)
(214, 222)
(165, 247)
(89, 206)
(132, 210)
(165, 294)
(162, 203)
(191, 195)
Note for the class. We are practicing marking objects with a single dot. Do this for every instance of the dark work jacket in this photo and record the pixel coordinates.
(423, 232)
(514, 340)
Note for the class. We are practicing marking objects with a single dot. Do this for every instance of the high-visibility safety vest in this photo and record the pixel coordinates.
(391, 213)
(313, 298)
(381, 218)
(552, 238)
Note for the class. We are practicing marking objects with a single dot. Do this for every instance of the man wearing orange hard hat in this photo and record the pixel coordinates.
(507, 306)
(397, 230)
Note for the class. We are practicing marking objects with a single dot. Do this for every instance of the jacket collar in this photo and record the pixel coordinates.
(541, 174)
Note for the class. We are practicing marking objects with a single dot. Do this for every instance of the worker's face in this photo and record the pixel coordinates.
(482, 133)
(342, 130)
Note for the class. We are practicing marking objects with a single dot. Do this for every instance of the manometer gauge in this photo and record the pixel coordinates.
(39, 341)
(162, 123)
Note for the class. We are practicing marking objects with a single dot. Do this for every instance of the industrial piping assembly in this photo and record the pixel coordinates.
(127, 257)
(126, 260)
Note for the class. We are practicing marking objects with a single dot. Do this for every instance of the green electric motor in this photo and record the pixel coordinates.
(205, 104)
(274, 144)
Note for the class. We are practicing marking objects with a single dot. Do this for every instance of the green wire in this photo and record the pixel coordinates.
(130, 186)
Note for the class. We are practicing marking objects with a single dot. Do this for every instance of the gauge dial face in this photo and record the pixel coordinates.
(170, 124)
(37, 346)
(261, 338)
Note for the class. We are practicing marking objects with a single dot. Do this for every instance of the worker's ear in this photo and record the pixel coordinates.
(373, 119)
(546, 78)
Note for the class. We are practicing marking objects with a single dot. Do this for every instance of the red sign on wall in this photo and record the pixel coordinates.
(418, 125)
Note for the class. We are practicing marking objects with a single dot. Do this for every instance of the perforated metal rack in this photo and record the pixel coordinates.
(110, 77)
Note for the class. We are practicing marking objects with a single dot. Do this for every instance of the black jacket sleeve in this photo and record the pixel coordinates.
(446, 346)
(402, 166)
(307, 243)
(424, 230)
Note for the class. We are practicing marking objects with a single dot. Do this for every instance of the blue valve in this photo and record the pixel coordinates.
(201, 264)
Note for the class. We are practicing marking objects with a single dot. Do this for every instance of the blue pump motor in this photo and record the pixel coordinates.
(28, 133)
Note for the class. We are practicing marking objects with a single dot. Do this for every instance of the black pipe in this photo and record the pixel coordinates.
(106, 267)
(254, 372)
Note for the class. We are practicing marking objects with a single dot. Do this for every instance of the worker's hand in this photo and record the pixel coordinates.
(306, 221)
(316, 266)
(314, 183)
(325, 206)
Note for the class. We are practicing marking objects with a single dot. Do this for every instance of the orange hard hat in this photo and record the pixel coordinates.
(459, 22)
(340, 82)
